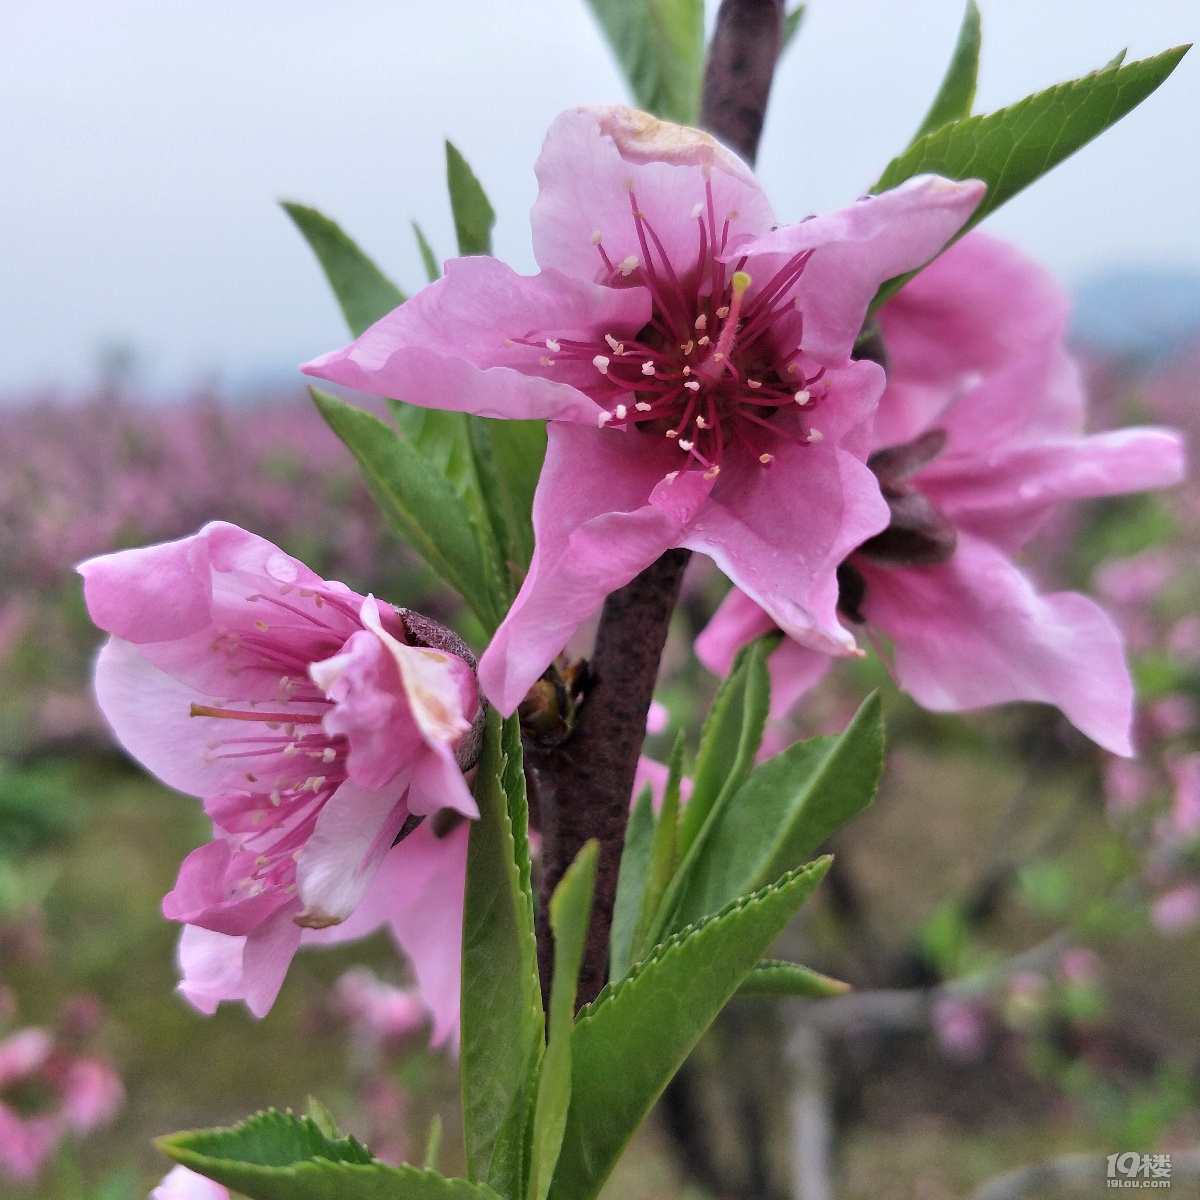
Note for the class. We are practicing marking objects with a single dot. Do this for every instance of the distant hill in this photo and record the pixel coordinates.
(1144, 312)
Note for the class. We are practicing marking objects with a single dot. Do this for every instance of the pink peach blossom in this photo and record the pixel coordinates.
(81, 1094)
(301, 715)
(693, 359)
(382, 1011)
(1177, 911)
(977, 439)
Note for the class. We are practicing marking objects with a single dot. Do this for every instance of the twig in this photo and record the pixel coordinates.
(585, 783)
(741, 64)
(812, 1124)
(908, 1009)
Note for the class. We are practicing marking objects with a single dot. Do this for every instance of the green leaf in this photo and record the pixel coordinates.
(428, 259)
(364, 293)
(791, 26)
(780, 816)
(1010, 148)
(419, 504)
(659, 46)
(473, 215)
(631, 883)
(957, 93)
(278, 1156)
(664, 855)
(630, 1042)
(322, 1117)
(508, 463)
(730, 738)
(775, 978)
(503, 1030)
(570, 911)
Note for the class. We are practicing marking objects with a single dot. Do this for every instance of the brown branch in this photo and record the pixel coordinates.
(741, 64)
(584, 784)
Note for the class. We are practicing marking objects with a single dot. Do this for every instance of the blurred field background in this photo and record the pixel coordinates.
(1019, 913)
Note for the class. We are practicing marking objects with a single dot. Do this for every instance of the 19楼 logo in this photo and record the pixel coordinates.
(1133, 1170)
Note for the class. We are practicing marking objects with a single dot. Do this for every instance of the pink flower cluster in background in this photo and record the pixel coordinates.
(49, 1093)
(315, 733)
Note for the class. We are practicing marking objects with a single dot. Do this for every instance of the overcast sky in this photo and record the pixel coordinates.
(145, 143)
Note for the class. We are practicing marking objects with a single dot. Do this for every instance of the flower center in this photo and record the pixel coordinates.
(716, 368)
(288, 765)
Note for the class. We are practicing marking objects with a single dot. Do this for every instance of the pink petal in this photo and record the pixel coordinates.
(974, 632)
(354, 832)
(182, 1184)
(23, 1053)
(152, 593)
(455, 344)
(92, 1094)
(593, 156)
(601, 514)
(369, 710)
(780, 533)
(794, 669)
(203, 896)
(975, 309)
(856, 249)
(437, 782)
(149, 711)
(210, 966)
(265, 959)
(1004, 496)
(736, 623)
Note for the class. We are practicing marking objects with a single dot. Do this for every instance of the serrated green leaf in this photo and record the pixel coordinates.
(503, 1029)
(570, 911)
(473, 215)
(664, 855)
(775, 978)
(957, 93)
(1010, 148)
(659, 46)
(791, 26)
(278, 1156)
(730, 738)
(512, 779)
(419, 504)
(428, 259)
(363, 292)
(631, 883)
(782, 813)
(630, 1042)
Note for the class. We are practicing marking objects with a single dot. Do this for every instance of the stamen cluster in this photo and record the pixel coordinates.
(711, 370)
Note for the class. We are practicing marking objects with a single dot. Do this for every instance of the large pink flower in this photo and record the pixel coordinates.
(301, 715)
(977, 439)
(693, 359)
